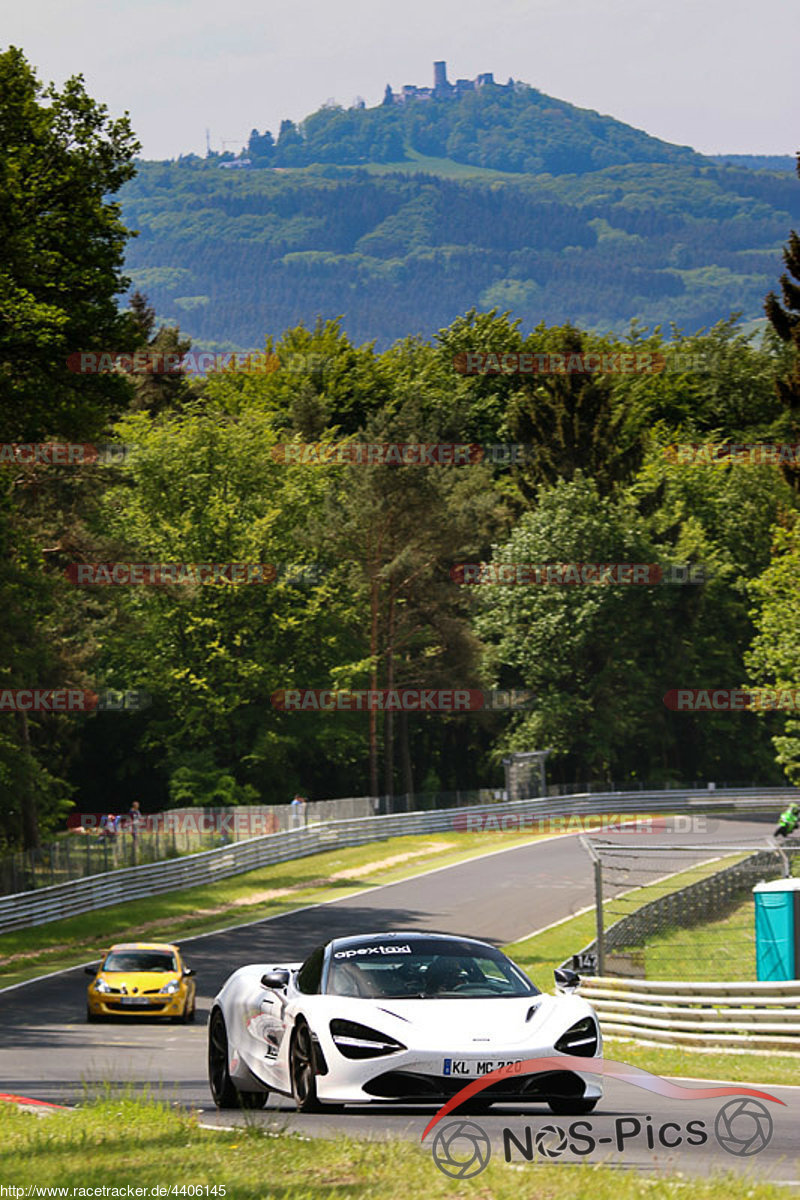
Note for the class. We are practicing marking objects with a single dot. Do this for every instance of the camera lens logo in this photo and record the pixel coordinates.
(551, 1141)
(461, 1149)
(743, 1127)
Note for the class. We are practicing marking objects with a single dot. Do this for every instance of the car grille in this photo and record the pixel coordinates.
(411, 1086)
(116, 1006)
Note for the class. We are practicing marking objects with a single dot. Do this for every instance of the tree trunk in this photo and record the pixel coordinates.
(27, 797)
(405, 758)
(373, 716)
(388, 719)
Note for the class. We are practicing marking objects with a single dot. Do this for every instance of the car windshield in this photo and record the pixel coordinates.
(424, 970)
(140, 960)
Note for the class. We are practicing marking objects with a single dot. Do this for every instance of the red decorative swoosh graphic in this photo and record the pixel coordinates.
(595, 1066)
(10, 1098)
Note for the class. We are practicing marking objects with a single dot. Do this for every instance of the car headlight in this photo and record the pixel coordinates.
(580, 1039)
(100, 985)
(359, 1041)
(170, 988)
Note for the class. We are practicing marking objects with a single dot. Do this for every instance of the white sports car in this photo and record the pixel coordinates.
(397, 1018)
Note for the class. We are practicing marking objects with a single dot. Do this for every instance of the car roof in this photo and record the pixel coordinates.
(415, 935)
(143, 946)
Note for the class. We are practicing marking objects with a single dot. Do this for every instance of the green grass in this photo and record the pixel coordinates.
(266, 892)
(724, 948)
(752, 1069)
(721, 949)
(120, 1143)
(444, 167)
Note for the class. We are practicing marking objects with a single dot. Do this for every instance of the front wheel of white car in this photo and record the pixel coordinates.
(302, 1071)
(570, 1108)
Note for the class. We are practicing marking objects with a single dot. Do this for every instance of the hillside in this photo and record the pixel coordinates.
(402, 216)
(508, 127)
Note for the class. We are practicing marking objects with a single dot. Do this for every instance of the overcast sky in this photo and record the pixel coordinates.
(719, 75)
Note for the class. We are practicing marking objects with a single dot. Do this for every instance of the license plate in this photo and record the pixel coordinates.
(474, 1068)
(135, 1001)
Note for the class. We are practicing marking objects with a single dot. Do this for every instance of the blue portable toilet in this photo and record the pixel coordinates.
(777, 929)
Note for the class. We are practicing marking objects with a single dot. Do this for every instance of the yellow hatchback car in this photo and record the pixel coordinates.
(141, 979)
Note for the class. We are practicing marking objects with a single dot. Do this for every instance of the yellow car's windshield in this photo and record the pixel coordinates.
(140, 960)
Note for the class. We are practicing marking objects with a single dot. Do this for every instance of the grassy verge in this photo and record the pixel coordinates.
(266, 892)
(721, 949)
(121, 1143)
(724, 948)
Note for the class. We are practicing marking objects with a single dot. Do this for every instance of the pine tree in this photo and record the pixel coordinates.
(785, 320)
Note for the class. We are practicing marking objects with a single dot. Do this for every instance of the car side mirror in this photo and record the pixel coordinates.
(189, 971)
(566, 980)
(275, 980)
(91, 970)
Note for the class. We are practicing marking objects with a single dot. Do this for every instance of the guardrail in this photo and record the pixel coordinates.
(746, 1016)
(99, 891)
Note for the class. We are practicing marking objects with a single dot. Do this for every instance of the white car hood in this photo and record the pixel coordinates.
(484, 1024)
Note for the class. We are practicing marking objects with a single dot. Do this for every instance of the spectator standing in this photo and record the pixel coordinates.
(298, 807)
(108, 826)
(136, 820)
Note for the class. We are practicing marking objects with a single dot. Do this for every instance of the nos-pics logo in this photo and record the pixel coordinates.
(461, 1148)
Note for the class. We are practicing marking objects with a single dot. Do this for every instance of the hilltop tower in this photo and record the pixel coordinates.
(440, 83)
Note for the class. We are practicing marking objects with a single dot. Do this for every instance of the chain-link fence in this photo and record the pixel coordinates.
(678, 911)
(75, 856)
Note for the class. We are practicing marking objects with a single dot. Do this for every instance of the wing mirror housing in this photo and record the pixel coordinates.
(275, 980)
(189, 971)
(566, 980)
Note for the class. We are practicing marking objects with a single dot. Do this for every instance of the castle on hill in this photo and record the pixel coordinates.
(442, 89)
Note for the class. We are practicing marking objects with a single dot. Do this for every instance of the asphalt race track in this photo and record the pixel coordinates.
(49, 1052)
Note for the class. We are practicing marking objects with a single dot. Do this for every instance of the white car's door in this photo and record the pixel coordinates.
(263, 1030)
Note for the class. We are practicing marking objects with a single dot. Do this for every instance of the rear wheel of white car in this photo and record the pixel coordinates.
(223, 1089)
(570, 1108)
(301, 1069)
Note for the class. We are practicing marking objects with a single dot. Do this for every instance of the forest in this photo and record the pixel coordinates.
(232, 255)
(368, 590)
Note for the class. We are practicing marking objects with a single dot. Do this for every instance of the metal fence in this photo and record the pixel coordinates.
(751, 1016)
(87, 850)
(179, 831)
(130, 883)
(651, 899)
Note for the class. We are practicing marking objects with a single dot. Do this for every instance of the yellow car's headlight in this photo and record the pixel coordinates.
(100, 985)
(171, 988)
